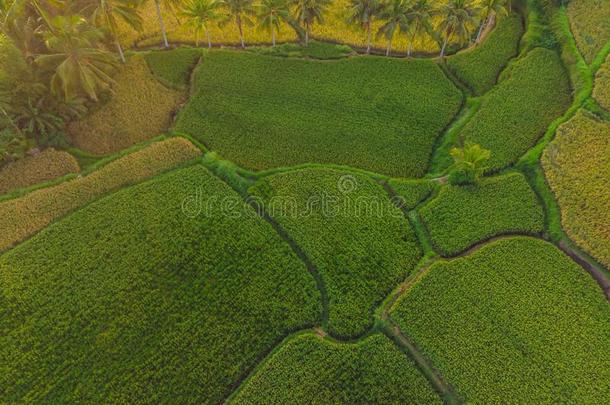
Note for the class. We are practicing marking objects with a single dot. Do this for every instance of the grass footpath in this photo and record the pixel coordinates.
(358, 240)
(378, 114)
(141, 298)
(501, 323)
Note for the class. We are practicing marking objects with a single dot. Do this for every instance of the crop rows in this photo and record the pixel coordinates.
(480, 66)
(461, 216)
(590, 23)
(576, 165)
(412, 192)
(173, 68)
(31, 170)
(135, 300)
(531, 94)
(140, 109)
(359, 241)
(26, 215)
(601, 91)
(310, 370)
(373, 113)
(515, 321)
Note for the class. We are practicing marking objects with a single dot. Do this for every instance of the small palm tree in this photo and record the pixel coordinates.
(76, 65)
(308, 12)
(457, 17)
(395, 17)
(201, 13)
(107, 12)
(470, 162)
(363, 12)
(419, 16)
(489, 10)
(271, 14)
(241, 11)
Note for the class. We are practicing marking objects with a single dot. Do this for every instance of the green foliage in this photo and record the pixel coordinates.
(13, 146)
(26, 215)
(480, 66)
(469, 162)
(173, 68)
(412, 192)
(148, 302)
(310, 370)
(576, 165)
(517, 308)
(515, 114)
(263, 112)
(313, 50)
(358, 240)
(539, 33)
(459, 217)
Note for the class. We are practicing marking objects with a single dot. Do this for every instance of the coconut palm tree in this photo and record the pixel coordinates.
(240, 11)
(363, 12)
(271, 14)
(201, 13)
(395, 17)
(171, 5)
(471, 161)
(75, 64)
(106, 13)
(457, 17)
(419, 17)
(489, 10)
(308, 12)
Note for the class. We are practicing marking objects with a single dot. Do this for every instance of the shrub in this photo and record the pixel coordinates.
(576, 165)
(13, 146)
(140, 109)
(358, 240)
(516, 113)
(412, 192)
(148, 302)
(510, 309)
(26, 215)
(459, 217)
(311, 370)
(480, 66)
(28, 171)
(589, 23)
(173, 68)
(263, 112)
(601, 91)
(314, 50)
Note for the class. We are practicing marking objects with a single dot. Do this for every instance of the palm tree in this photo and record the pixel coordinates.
(74, 62)
(395, 15)
(419, 16)
(308, 12)
(106, 13)
(489, 10)
(471, 160)
(241, 10)
(271, 14)
(457, 17)
(170, 5)
(362, 12)
(200, 13)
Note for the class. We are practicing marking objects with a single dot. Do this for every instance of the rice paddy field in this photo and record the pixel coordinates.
(308, 223)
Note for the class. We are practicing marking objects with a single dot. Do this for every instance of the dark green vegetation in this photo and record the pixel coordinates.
(313, 50)
(373, 113)
(131, 299)
(359, 241)
(173, 68)
(308, 369)
(516, 319)
(461, 216)
(479, 68)
(515, 114)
